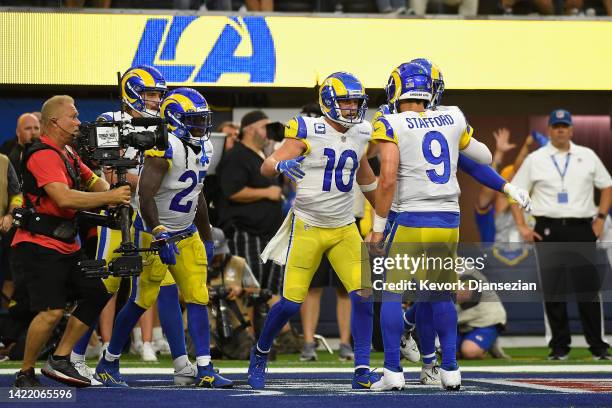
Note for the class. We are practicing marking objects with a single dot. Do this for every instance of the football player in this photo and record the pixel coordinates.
(419, 152)
(142, 90)
(324, 156)
(170, 201)
(485, 175)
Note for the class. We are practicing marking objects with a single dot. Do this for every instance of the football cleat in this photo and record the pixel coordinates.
(83, 369)
(186, 375)
(257, 370)
(365, 380)
(450, 380)
(430, 374)
(108, 373)
(391, 380)
(208, 378)
(409, 349)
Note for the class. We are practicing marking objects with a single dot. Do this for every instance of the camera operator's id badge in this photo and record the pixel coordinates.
(562, 197)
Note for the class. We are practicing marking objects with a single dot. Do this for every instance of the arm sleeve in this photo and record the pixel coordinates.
(485, 221)
(602, 177)
(483, 174)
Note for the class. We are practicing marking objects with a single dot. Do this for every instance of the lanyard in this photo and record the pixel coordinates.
(562, 174)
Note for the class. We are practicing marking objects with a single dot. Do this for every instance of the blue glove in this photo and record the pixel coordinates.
(541, 139)
(210, 251)
(291, 168)
(169, 251)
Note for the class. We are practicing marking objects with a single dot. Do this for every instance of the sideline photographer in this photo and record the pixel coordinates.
(45, 242)
(235, 298)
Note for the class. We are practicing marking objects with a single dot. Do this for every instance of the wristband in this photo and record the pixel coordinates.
(601, 216)
(379, 223)
(369, 187)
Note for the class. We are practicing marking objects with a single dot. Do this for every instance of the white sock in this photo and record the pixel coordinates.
(203, 361)
(180, 362)
(158, 334)
(74, 357)
(111, 357)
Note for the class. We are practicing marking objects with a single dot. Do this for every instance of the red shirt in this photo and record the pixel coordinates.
(47, 167)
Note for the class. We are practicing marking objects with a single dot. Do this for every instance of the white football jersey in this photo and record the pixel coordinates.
(429, 143)
(325, 196)
(177, 197)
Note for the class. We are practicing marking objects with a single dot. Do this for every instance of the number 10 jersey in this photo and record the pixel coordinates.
(325, 196)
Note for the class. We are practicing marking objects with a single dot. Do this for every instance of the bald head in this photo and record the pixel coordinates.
(28, 128)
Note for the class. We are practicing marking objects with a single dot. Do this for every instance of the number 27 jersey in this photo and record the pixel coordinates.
(429, 143)
(177, 197)
(325, 196)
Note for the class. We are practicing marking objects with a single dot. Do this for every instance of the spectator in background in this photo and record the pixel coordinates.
(90, 3)
(259, 5)
(231, 131)
(391, 6)
(251, 206)
(466, 7)
(203, 5)
(544, 7)
(28, 128)
(560, 178)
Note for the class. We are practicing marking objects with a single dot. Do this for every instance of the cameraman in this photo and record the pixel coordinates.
(233, 288)
(45, 243)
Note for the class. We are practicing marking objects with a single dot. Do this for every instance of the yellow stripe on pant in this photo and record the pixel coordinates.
(189, 272)
(436, 247)
(308, 244)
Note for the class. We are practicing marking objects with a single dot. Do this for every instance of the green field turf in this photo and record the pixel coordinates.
(520, 356)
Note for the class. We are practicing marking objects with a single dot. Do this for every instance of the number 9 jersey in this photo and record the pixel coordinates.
(324, 197)
(429, 143)
(177, 197)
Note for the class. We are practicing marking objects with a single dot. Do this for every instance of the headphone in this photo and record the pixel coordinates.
(54, 120)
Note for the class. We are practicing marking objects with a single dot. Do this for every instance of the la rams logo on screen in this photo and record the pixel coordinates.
(199, 50)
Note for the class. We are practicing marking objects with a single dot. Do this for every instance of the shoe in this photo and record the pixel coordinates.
(186, 375)
(450, 380)
(364, 381)
(209, 378)
(558, 356)
(391, 380)
(409, 348)
(147, 353)
(27, 379)
(161, 346)
(83, 369)
(309, 352)
(63, 371)
(430, 374)
(602, 357)
(346, 352)
(257, 369)
(136, 347)
(108, 373)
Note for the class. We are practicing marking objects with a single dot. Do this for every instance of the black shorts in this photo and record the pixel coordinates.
(326, 276)
(52, 279)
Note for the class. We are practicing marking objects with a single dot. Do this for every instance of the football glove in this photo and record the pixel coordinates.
(210, 251)
(291, 168)
(519, 195)
(169, 251)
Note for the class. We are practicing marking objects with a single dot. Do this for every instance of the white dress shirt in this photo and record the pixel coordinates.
(543, 180)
